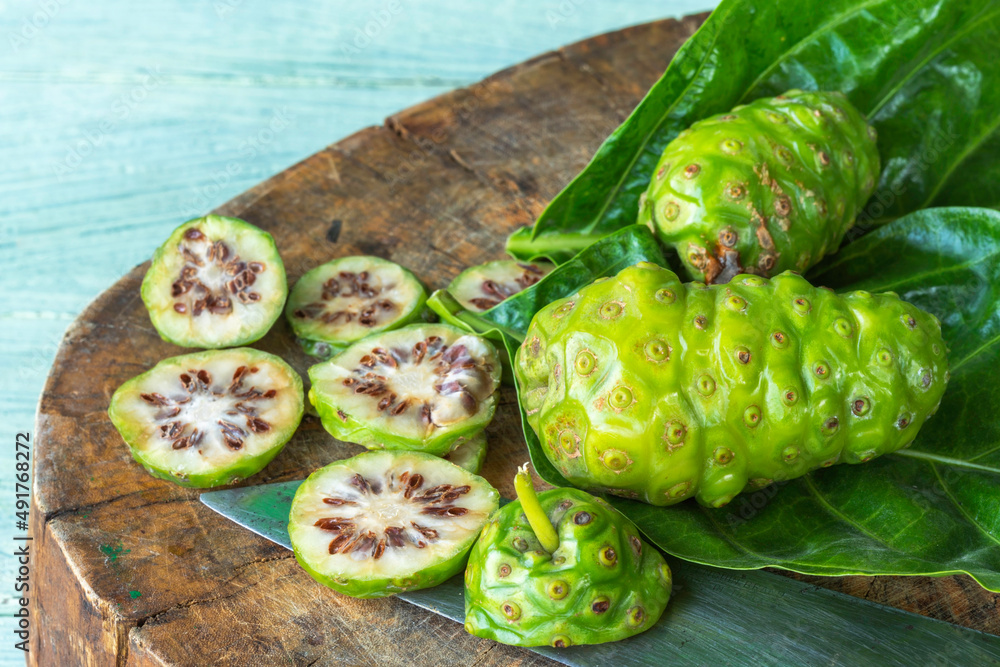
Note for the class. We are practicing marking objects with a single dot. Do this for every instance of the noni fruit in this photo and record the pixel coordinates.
(770, 186)
(648, 388)
(598, 581)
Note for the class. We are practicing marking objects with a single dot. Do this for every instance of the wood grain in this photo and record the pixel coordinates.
(134, 570)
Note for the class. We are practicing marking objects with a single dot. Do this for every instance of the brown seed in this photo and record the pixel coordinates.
(445, 511)
(338, 501)
(429, 533)
(335, 524)
(155, 399)
(412, 484)
(394, 536)
(338, 543)
(258, 425)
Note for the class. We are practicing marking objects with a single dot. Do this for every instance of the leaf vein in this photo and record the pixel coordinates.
(960, 508)
(931, 56)
(826, 27)
(840, 515)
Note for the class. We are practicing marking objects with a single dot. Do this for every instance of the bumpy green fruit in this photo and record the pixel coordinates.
(770, 186)
(603, 582)
(647, 388)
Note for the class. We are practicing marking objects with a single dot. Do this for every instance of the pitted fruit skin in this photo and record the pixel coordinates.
(603, 583)
(767, 187)
(648, 388)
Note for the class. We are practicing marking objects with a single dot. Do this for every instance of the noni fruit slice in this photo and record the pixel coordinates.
(648, 388)
(767, 187)
(342, 301)
(382, 523)
(216, 282)
(421, 387)
(470, 453)
(479, 288)
(209, 418)
(561, 569)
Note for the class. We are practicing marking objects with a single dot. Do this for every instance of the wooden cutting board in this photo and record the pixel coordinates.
(131, 570)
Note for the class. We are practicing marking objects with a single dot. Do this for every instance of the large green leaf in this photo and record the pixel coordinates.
(924, 71)
(931, 509)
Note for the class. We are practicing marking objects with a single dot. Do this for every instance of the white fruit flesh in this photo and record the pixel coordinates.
(482, 287)
(215, 282)
(195, 414)
(387, 515)
(412, 381)
(347, 299)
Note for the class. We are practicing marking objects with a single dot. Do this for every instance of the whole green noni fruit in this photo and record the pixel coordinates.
(769, 186)
(644, 387)
(562, 568)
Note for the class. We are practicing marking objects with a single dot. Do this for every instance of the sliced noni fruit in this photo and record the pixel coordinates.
(421, 387)
(216, 282)
(470, 453)
(340, 302)
(479, 288)
(209, 418)
(382, 523)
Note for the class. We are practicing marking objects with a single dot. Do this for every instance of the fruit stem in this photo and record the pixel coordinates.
(539, 522)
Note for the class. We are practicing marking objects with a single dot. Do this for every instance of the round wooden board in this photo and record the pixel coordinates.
(131, 570)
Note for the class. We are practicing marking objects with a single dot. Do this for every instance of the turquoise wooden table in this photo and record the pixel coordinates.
(120, 120)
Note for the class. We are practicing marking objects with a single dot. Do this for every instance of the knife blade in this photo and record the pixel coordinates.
(715, 616)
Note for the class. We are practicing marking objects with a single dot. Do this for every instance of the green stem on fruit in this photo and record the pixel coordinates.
(539, 522)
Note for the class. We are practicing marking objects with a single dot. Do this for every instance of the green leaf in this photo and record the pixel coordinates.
(924, 71)
(931, 509)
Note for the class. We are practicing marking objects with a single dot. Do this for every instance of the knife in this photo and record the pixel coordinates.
(715, 616)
